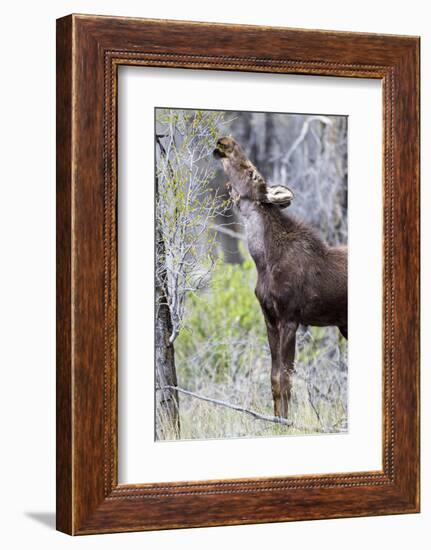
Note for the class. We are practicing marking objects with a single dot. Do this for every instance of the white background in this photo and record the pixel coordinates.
(141, 458)
(27, 217)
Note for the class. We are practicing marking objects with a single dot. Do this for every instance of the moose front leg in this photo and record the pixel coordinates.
(287, 333)
(274, 346)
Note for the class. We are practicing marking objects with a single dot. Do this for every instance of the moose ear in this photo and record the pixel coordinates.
(279, 195)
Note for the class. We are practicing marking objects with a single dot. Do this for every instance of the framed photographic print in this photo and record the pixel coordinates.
(237, 274)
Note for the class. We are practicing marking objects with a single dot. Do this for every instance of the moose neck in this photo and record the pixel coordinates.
(263, 222)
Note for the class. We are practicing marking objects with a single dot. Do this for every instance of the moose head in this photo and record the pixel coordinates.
(245, 181)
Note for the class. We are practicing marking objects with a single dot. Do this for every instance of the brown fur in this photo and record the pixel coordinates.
(301, 280)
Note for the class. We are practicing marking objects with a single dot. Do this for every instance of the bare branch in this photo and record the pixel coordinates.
(185, 205)
(323, 119)
(226, 231)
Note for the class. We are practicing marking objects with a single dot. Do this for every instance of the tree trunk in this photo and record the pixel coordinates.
(167, 412)
(228, 243)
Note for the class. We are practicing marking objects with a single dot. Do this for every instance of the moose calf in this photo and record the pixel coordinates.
(301, 280)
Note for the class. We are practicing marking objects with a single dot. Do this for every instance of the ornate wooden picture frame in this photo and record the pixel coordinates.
(89, 51)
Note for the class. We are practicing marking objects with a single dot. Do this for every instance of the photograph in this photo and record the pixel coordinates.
(251, 274)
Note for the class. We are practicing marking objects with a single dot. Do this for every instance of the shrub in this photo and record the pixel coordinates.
(220, 322)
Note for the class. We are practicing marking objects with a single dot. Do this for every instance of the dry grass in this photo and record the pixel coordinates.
(319, 393)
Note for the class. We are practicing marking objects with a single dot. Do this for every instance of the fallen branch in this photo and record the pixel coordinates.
(267, 418)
